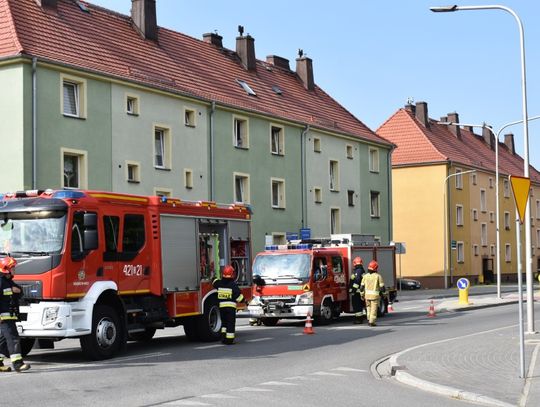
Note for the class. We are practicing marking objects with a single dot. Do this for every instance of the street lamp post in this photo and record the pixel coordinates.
(446, 215)
(528, 252)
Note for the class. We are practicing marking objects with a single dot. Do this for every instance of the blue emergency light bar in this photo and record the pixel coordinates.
(68, 194)
(301, 246)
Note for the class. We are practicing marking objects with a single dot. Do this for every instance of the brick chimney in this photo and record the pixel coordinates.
(143, 14)
(488, 137)
(278, 61)
(470, 129)
(509, 142)
(48, 5)
(422, 113)
(245, 48)
(409, 107)
(214, 39)
(304, 70)
(456, 130)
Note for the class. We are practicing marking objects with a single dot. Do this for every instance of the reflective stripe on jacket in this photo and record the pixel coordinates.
(372, 283)
(228, 292)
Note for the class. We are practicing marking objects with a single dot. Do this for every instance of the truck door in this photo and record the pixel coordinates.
(135, 256)
(321, 283)
(339, 286)
(111, 234)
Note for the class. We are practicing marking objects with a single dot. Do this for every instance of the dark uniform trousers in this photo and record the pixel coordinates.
(10, 342)
(228, 295)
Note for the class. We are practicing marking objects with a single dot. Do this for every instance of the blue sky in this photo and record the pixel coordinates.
(372, 56)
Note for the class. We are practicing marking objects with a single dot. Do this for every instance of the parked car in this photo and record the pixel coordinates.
(408, 284)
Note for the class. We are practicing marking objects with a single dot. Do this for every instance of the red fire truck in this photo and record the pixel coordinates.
(312, 277)
(107, 267)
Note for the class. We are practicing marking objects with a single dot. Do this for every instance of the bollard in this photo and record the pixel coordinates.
(463, 285)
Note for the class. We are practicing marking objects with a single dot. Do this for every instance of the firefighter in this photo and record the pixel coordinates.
(371, 289)
(228, 295)
(354, 289)
(10, 342)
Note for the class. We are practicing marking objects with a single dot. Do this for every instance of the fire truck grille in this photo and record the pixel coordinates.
(284, 299)
(31, 289)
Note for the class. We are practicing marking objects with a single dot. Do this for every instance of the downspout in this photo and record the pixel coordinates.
(303, 175)
(212, 166)
(34, 123)
(449, 231)
(390, 208)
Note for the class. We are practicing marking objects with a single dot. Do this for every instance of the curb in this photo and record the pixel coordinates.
(471, 307)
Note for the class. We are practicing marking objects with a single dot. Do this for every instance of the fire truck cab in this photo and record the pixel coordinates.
(312, 277)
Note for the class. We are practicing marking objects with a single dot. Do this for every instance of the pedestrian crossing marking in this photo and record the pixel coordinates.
(326, 374)
(254, 389)
(278, 384)
(350, 369)
(259, 339)
(209, 346)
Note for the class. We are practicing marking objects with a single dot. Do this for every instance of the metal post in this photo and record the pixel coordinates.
(520, 300)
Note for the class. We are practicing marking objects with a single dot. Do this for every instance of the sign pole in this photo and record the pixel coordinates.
(520, 299)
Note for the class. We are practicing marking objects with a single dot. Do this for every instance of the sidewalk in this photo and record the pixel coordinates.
(482, 368)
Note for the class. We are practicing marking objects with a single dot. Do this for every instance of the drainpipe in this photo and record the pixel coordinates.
(34, 123)
(390, 208)
(303, 174)
(212, 166)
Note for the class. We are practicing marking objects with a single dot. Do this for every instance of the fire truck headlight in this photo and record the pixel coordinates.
(306, 298)
(49, 315)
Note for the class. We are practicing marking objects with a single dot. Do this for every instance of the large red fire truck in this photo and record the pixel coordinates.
(312, 277)
(107, 267)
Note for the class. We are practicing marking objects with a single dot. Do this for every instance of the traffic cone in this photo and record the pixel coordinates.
(308, 329)
(431, 312)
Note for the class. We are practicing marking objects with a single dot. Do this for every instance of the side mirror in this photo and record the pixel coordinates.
(90, 239)
(90, 221)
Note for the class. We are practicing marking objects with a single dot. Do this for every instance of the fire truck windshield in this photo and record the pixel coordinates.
(33, 232)
(278, 266)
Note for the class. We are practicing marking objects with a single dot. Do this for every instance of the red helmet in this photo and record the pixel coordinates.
(373, 266)
(6, 264)
(228, 271)
(357, 261)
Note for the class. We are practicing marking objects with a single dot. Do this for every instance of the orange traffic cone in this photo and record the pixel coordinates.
(308, 329)
(431, 312)
(390, 308)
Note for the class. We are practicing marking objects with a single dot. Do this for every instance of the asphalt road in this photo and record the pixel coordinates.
(269, 366)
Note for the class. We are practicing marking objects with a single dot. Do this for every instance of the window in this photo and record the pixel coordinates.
(473, 178)
(334, 175)
(276, 140)
(189, 117)
(279, 238)
(483, 234)
(374, 159)
(162, 148)
(188, 178)
(337, 264)
(492, 250)
(74, 169)
(459, 215)
(492, 216)
(475, 249)
(133, 173)
(490, 182)
(460, 252)
(278, 193)
(111, 226)
(77, 235)
(507, 220)
(375, 204)
(335, 221)
(316, 144)
(241, 188)
(350, 152)
(73, 96)
(132, 105)
(538, 209)
(483, 204)
(538, 239)
(133, 236)
(459, 179)
(317, 195)
(475, 214)
(350, 197)
(163, 192)
(246, 87)
(241, 139)
(506, 188)
(507, 253)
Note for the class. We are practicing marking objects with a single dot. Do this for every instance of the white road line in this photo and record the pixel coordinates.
(326, 374)
(278, 384)
(185, 403)
(299, 378)
(350, 369)
(259, 339)
(209, 346)
(218, 396)
(251, 389)
(297, 334)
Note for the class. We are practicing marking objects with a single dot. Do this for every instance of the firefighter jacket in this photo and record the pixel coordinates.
(228, 292)
(372, 285)
(356, 279)
(9, 301)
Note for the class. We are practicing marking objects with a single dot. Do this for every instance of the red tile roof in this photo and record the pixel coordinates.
(418, 145)
(105, 42)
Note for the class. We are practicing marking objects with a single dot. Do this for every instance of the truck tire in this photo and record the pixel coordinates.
(383, 303)
(26, 345)
(107, 335)
(326, 313)
(190, 329)
(143, 336)
(271, 321)
(209, 324)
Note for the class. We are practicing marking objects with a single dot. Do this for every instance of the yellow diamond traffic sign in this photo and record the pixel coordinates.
(520, 187)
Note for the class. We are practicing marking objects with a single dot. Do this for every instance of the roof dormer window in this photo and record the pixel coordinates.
(246, 87)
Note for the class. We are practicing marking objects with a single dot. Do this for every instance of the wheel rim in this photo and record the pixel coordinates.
(326, 311)
(214, 319)
(105, 333)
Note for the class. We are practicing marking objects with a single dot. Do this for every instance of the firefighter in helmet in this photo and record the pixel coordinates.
(228, 295)
(10, 342)
(372, 288)
(354, 289)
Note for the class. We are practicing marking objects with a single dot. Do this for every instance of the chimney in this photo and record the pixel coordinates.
(48, 4)
(443, 119)
(304, 70)
(454, 118)
(422, 113)
(143, 14)
(278, 61)
(470, 129)
(214, 39)
(509, 142)
(409, 107)
(488, 137)
(245, 48)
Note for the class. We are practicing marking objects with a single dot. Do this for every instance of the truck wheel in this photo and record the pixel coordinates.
(336, 311)
(326, 313)
(143, 336)
(190, 329)
(269, 321)
(26, 345)
(209, 324)
(106, 337)
(382, 307)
